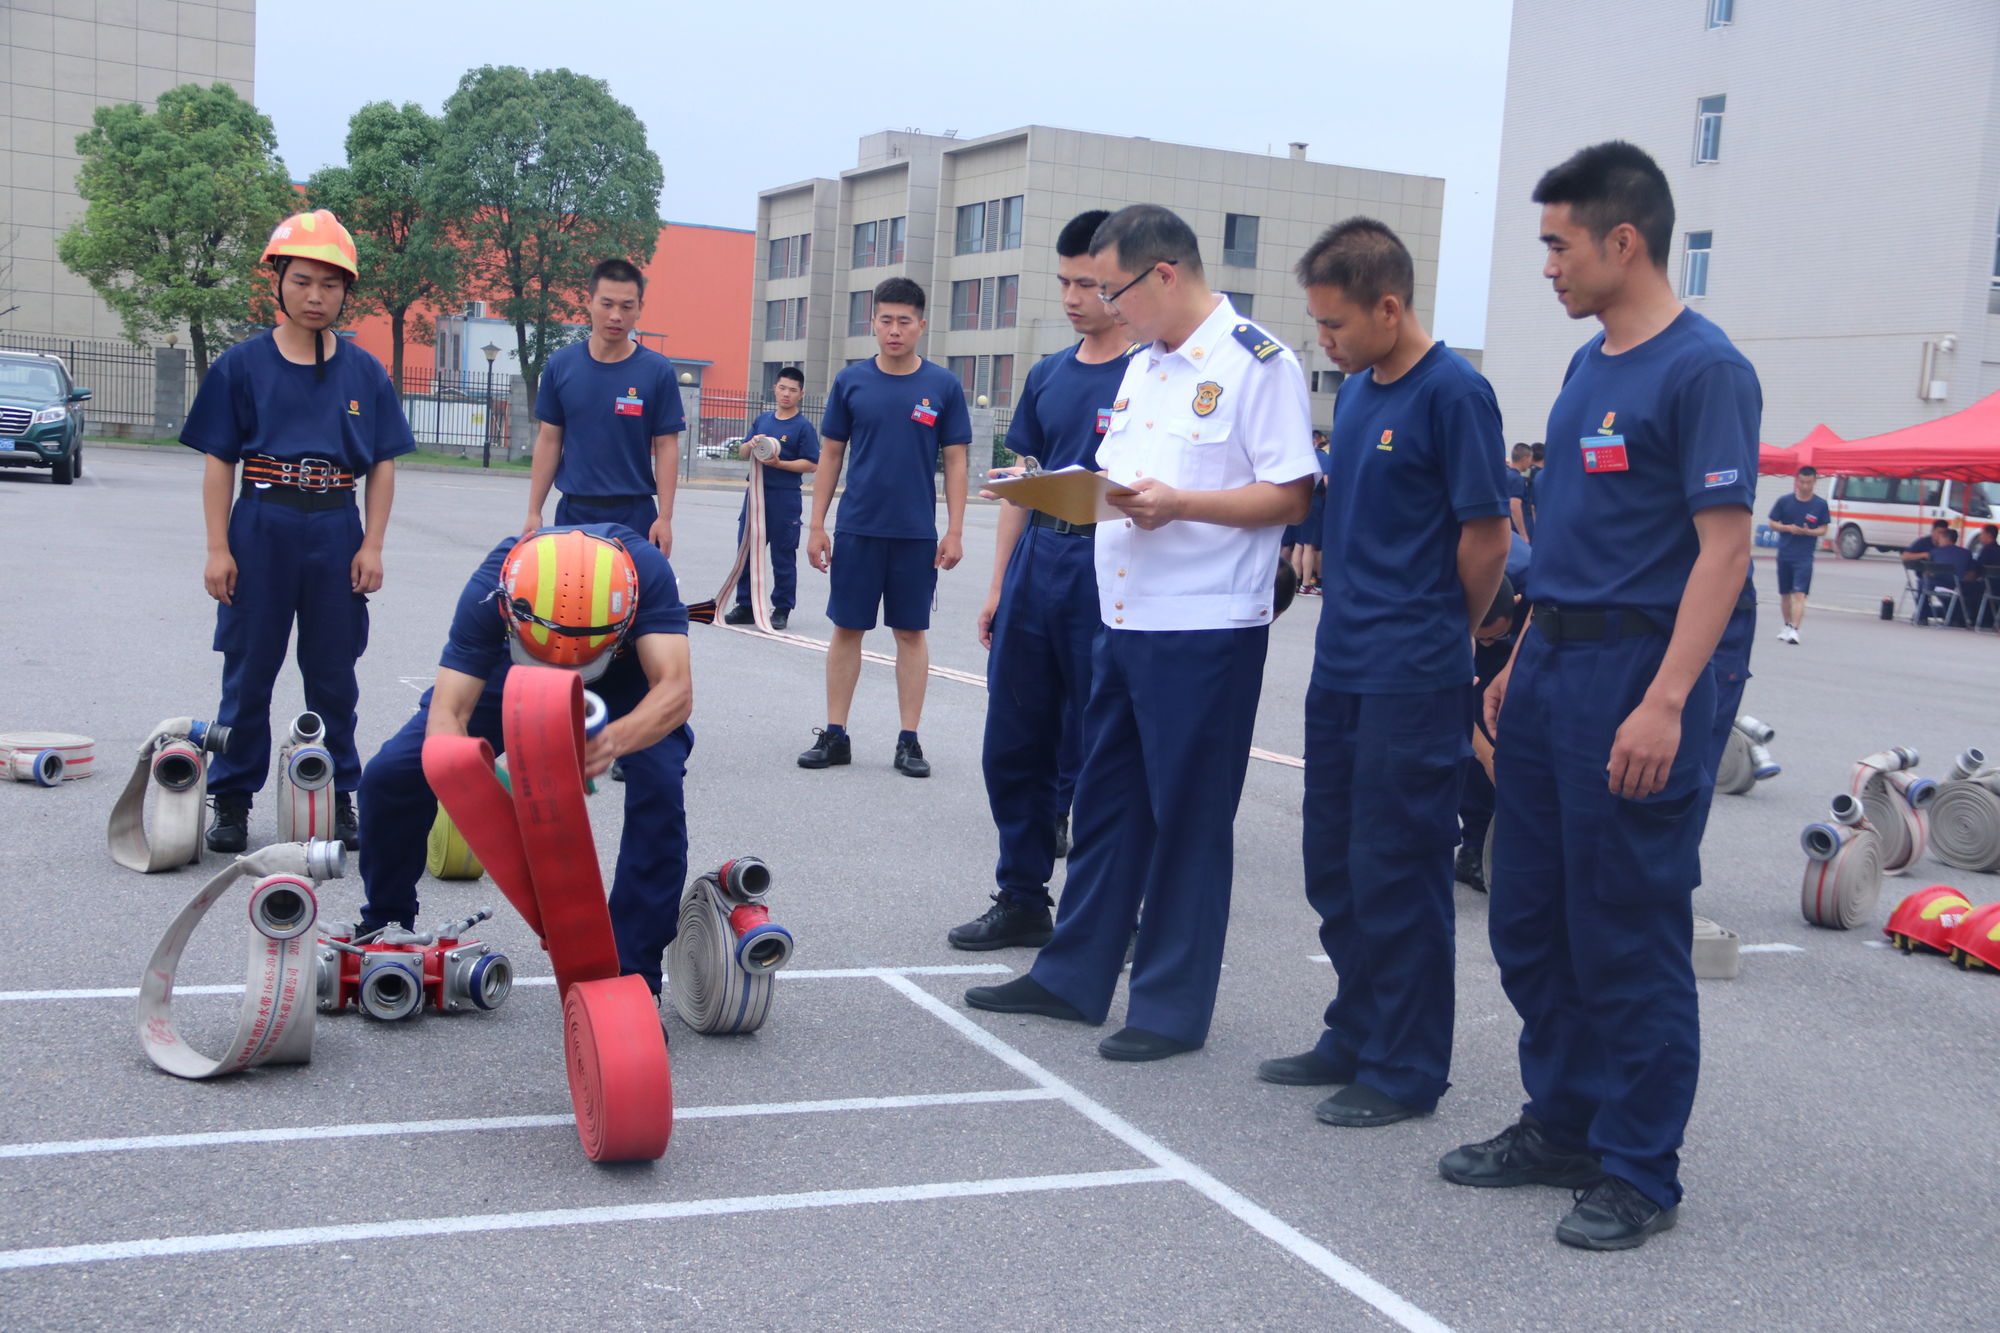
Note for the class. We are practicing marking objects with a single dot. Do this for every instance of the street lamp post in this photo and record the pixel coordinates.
(486, 442)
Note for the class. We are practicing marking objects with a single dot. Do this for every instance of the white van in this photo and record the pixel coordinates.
(1888, 513)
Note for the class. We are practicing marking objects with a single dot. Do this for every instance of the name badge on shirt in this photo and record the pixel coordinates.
(631, 405)
(924, 414)
(1604, 453)
(1104, 419)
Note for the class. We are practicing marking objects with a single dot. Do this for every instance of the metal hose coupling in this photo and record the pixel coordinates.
(1965, 815)
(171, 763)
(1745, 759)
(1759, 735)
(723, 959)
(1843, 878)
(1894, 799)
(305, 782)
(388, 973)
(274, 1025)
(46, 758)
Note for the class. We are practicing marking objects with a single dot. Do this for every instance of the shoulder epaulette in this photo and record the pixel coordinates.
(1259, 343)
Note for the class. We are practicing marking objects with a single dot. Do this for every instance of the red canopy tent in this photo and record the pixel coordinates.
(1964, 446)
(1775, 462)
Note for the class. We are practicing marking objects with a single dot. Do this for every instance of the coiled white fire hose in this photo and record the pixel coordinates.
(305, 783)
(275, 1024)
(720, 965)
(1965, 816)
(170, 765)
(1893, 798)
(46, 758)
(750, 551)
(1843, 878)
(1745, 760)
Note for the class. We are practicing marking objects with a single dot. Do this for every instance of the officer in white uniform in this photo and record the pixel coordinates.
(1211, 427)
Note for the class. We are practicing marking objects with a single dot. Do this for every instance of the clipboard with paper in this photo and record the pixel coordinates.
(1073, 494)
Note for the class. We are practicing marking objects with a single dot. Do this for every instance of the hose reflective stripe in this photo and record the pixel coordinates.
(175, 836)
(46, 757)
(535, 841)
(275, 1024)
(1965, 822)
(1840, 890)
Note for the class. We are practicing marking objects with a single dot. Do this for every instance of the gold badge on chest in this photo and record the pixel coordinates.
(1206, 395)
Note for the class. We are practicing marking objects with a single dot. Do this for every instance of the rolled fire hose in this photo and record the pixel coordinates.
(1965, 816)
(535, 841)
(722, 960)
(305, 783)
(1745, 760)
(749, 551)
(170, 764)
(1893, 799)
(275, 1024)
(46, 758)
(1843, 878)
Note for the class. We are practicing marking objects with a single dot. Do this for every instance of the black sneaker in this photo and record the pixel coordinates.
(229, 829)
(1613, 1215)
(828, 750)
(910, 761)
(1008, 924)
(1062, 835)
(1519, 1155)
(780, 617)
(1470, 868)
(740, 614)
(346, 828)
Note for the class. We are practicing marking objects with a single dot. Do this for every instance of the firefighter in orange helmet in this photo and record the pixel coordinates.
(293, 421)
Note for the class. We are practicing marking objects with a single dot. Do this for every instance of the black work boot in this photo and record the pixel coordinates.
(828, 749)
(740, 614)
(1470, 867)
(1613, 1214)
(346, 828)
(781, 616)
(229, 829)
(1010, 923)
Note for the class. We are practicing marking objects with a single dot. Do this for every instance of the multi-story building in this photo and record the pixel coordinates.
(975, 222)
(1836, 172)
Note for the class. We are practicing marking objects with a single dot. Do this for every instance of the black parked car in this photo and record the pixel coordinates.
(41, 420)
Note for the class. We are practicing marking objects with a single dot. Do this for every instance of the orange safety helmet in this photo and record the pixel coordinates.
(568, 597)
(315, 235)
(1924, 920)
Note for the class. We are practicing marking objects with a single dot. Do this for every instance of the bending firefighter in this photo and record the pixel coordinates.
(306, 417)
(600, 600)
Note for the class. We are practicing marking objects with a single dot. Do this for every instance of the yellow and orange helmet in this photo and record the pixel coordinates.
(315, 235)
(568, 597)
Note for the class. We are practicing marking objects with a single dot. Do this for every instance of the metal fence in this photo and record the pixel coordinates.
(466, 414)
(122, 379)
(719, 422)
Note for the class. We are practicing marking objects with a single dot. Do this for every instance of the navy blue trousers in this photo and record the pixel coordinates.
(1591, 915)
(781, 531)
(1037, 686)
(636, 512)
(1381, 819)
(1731, 665)
(398, 808)
(1166, 746)
(290, 564)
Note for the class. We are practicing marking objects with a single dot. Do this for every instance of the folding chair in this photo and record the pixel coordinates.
(1950, 604)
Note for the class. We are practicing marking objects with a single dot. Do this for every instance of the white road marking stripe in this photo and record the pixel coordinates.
(1770, 948)
(1256, 1216)
(390, 1128)
(164, 1246)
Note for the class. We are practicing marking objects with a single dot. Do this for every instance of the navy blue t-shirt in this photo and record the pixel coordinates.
(1065, 408)
(894, 426)
(253, 401)
(1409, 462)
(1681, 412)
(477, 643)
(1954, 555)
(609, 412)
(1811, 513)
(796, 439)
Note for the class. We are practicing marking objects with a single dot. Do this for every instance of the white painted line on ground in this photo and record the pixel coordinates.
(800, 974)
(164, 1246)
(1317, 958)
(1254, 1215)
(483, 1124)
(1769, 948)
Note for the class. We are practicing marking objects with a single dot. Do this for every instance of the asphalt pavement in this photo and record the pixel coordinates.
(879, 1156)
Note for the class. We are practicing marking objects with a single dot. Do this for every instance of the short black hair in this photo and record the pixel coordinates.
(1611, 184)
(616, 270)
(1520, 452)
(1364, 259)
(1991, 531)
(1147, 234)
(1539, 450)
(900, 291)
(1076, 233)
(1808, 470)
(793, 373)
(1951, 532)
(1945, 524)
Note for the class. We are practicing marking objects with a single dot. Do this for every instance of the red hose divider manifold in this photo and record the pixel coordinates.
(536, 843)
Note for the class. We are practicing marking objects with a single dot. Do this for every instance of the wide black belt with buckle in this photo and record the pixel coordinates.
(1583, 624)
(298, 483)
(1060, 525)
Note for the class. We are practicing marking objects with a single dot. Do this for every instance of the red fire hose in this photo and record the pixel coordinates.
(535, 841)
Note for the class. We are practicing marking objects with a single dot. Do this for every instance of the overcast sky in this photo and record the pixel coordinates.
(739, 97)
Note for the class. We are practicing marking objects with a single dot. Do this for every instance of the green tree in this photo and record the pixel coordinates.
(546, 174)
(387, 194)
(180, 203)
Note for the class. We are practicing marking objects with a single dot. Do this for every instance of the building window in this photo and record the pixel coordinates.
(985, 303)
(971, 229)
(784, 320)
(1721, 13)
(860, 313)
(1244, 303)
(898, 230)
(1708, 129)
(1008, 302)
(864, 245)
(1694, 264)
(965, 305)
(1010, 222)
(802, 250)
(1327, 381)
(780, 258)
(992, 225)
(1239, 240)
(1003, 381)
(966, 368)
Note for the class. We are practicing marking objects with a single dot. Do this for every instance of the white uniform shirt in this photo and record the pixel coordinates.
(1208, 416)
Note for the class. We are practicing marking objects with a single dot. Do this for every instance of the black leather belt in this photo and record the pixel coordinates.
(607, 501)
(1060, 525)
(1584, 624)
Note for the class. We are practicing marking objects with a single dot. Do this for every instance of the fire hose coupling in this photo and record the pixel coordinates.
(1843, 876)
(595, 714)
(1822, 842)
(388, 973)
(283, 907)
(1759, 735)
(44, 768)
(760, 945)
(46, 758)
(391, 984)
(1969, 762)
(1892, 759)
(1916, 792)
